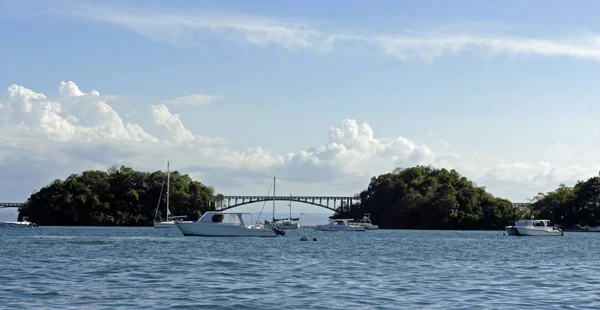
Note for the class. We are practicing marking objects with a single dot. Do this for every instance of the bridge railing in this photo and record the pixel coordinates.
(4, 205)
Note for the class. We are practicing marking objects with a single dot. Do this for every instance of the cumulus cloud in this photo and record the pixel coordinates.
(194, 100)
(42, 138)
(189, 28)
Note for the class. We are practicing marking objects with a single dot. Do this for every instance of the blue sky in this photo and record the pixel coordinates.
(502, 91)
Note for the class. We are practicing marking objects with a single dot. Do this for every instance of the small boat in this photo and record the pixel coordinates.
(365, 222)
(18, 224)
(591, 228)
(340, 225)
(171, 219)
(533, 228)
(225, 224)
(286, 224)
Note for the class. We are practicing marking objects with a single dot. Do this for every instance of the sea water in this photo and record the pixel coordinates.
(148, 268)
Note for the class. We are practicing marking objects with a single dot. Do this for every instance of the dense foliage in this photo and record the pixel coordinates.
(571, 206)
(119, 196)
(426, 198)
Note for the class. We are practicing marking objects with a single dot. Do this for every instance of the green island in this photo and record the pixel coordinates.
(117, 197)
(419, 197)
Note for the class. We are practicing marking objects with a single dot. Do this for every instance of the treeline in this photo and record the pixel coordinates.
(119, 196)
(427, 198)
(414, 198)
(570, 206)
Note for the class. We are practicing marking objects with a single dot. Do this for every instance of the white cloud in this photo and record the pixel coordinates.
(194, 100)
(42, 139)
(190, 28)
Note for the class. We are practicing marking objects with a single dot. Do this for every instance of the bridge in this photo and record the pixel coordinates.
(333, 203)
(4, 205)
(222, 203)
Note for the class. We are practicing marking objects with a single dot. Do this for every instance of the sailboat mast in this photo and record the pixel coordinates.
(168, 179)
(273, 199)
(290, 207)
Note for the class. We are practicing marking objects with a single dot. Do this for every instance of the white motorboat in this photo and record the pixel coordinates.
(340, 225)
(365, 222)
(533, 228)
(171, 219)
(17, 224)
(225, 224)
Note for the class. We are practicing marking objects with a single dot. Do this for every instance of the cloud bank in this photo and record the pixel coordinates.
(43, 138)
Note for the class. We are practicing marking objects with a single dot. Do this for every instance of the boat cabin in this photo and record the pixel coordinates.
(341, 222)
(534, 223)
(225, 218)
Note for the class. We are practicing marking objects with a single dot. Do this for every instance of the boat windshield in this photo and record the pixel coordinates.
(226, 218)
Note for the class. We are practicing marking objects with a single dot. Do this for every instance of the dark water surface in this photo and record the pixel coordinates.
(147, 268)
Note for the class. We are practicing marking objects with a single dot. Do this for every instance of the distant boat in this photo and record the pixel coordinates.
(18, 224)
(340, 225)
(533, 228)
(365, 222)
(287, 224)
(591, 228)
(171, 219)
(225, 224)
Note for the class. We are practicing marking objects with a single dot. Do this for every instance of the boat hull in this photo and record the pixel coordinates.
(284, 226)
(512, 231)
(369, 226)
(223, 230)
(16, 224)
(524, 231)
(340, 228)
(168, 224)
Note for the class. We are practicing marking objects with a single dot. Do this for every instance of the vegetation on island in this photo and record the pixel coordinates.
(119, 196)
(420, 197)
(426, 198)
(570, 206)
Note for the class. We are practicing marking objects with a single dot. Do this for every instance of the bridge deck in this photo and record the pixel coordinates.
(4, 205)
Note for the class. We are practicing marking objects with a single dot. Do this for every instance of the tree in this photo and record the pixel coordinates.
(119, 196)
(422, 197)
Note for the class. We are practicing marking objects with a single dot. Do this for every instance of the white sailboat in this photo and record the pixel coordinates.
(170, 221)
(286, 224)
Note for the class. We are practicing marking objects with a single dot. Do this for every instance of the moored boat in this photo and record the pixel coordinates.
(285, 224)
(18, 224)
(533, 228)
(340, 225)
(365, 222)
(225, 224)
(171, 219)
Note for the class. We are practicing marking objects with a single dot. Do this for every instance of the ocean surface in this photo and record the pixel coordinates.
(148, 268)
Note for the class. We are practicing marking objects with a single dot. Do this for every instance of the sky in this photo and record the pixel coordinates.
(322, 95)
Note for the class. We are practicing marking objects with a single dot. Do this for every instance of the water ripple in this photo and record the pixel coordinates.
(145, 268)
